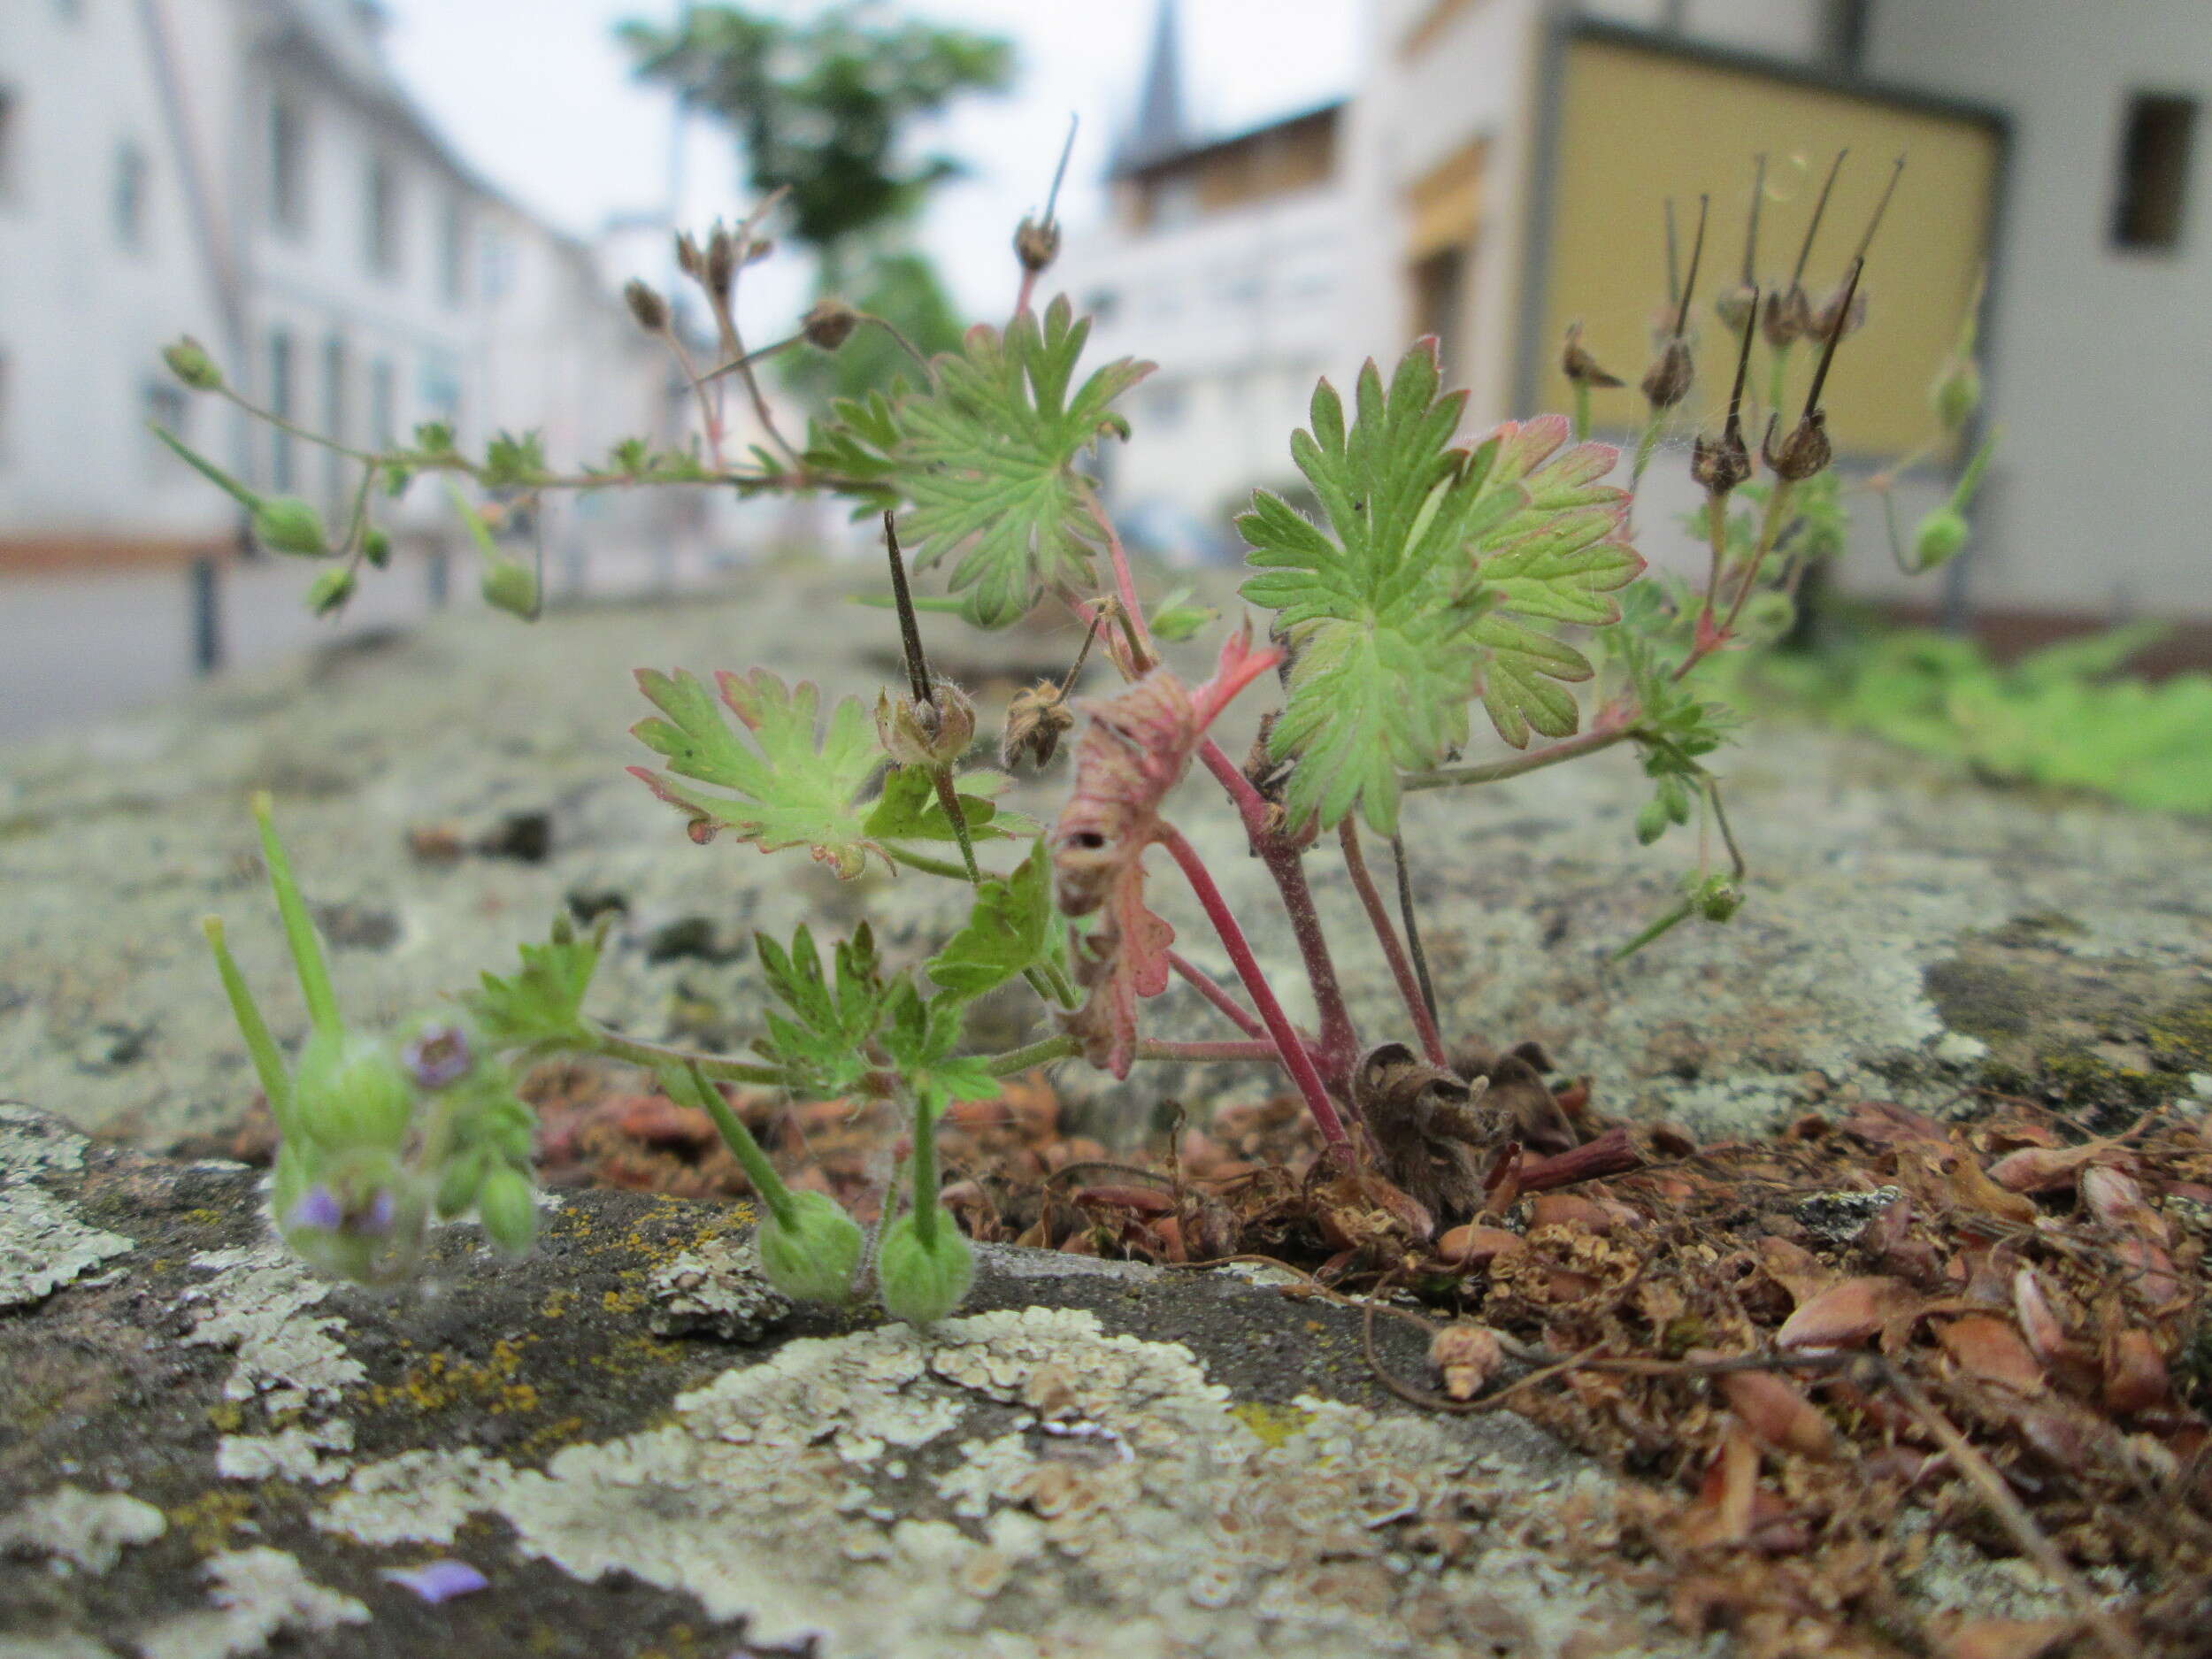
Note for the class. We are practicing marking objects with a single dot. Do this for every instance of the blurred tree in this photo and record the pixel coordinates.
(818, 107)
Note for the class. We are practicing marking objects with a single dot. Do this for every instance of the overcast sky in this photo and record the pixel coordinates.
(537, 95)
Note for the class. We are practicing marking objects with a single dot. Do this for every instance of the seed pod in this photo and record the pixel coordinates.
(1036, 245)
(922, 1283)
(687, 260)
(351, 1093)
(1939, 538)
(1957, 394)
(1718, 899)
(1036, 721)
(1788, 318)
(189, 361)
(1578, 365)
(508, 1209)
(1667, 382)
(376, 547)
(284, 524)
(929, 735)
(1719, 465)
(1844, 310)
(650, 309)
(829, 323)
(458, 1182)
(1652, 819)
(721, 261)
(1734, 305)
(812, 1254)
(1805, 452)
(511, 586)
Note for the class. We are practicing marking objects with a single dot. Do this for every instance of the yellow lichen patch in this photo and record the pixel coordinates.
(1271, 1426)
(555, 1302)
(552, 1436)
(209, 1519)
(622, 1301)
(225, 1416)
(438, 1382)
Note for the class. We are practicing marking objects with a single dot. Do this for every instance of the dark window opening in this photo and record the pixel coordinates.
(2154, 171)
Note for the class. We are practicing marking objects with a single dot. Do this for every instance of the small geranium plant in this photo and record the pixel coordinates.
(1438, 576)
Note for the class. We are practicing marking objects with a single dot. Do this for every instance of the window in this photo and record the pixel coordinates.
(453, 251)
(2155, 147)
(380, 218)
(440, 388)
(288, 166)
(283, 459)
(128, 204)
(496, 256)
(383, 404)
(163, 405)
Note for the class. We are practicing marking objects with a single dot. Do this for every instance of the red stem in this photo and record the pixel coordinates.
(1261, 1050)
(1202, 982)
(1292, 1051)
(1393, 949)
(1028, 290)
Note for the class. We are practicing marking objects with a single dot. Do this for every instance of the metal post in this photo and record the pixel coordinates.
(203, 580)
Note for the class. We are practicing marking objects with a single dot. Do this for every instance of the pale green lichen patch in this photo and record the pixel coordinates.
(299, 1452)
(258, 1304)
(254, 1596)
(81, 1530)
(1020, 1481)
(43, 1245)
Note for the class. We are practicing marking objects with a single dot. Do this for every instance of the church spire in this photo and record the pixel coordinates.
(1159, 129)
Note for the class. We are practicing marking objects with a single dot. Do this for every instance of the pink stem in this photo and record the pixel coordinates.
(1028, 290)
(1394, 948)
(1201, 981)
(1292, 1051)
(1260, 1050)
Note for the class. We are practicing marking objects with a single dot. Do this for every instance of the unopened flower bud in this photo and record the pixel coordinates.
(1036, 721)
(646, 304)
(1667, 382)
(189, 361)
(1718, 899)
(511, 586)
(1036, 245)
(687, 260)
(1652, 819)
(720, 264)
(921, 1282)
(1804, 452)
(329, 591)
(929, 734)
(508, 1209)
(459, 1180)
(813, 1253)
(1466, 1356)
(829, 323)
(1578, 365)
(376, 547)
(284, 524)
(1939, 538)
(351, 1093)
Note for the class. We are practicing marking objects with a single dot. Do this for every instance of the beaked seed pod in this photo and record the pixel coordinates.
(1036, 245)
(329, 591)
(1036, 719)
(1957, 394)
(1578, 365)
(1733, 305)
(189, 361)
(829, 323)
(922, 1283)
(1939, 538)
(1831, 313)
(376, 547)
(513, 586)
(1718, 899)
(284, 524)
(351, 1092)
(721, 261)
(1652, 819)
(927, 734)
(1667, 382)
(1788, 316)
(1804, 452)
(650, 309)
(812, 1254)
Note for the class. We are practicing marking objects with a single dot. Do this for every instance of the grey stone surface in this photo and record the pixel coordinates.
(1908, 933)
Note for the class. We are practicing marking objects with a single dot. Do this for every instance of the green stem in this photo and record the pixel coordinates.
(1582, 410)
(654, 1055)
(207, 469)
(268, 1064)
(1040, 1053)
(949, 797)
(926, 1208)
(1536, 760)
(925, 864)
(299, 930)
(688, 1086)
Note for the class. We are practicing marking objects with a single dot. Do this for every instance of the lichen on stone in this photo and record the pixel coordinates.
(715, 1290)
(257, 1304)
(81, 1530)
(295, 1453)
(255, 1595)
(43, 1245)
(1073, 1486)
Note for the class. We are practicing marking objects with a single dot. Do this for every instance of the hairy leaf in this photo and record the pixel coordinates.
(788, 787)
(1011, 928)
(542, 1006)
(822, 1047)
(988, 456)
(1381, 614)
(920, 1037)
(909, 809)
(1561, 558)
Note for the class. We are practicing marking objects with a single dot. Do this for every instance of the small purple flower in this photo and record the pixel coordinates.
(438, 1055)
(318, 1207)
(376, 1220)
(437, 1581)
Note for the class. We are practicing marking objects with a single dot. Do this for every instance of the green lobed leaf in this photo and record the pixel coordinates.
(1382, 609)
(1013, 926)
(541, 1006)
(821, 1047)
(909, 809)
(920, 1036)
(987, 453)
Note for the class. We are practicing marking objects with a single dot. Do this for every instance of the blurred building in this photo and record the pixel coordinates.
(249, 171)
(1501, 169)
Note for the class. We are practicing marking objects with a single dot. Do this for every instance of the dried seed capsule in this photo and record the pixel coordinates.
(1036, 245)
(1578, 365)
(1804, 452)
(1667, 382)
(721, 261)
(650, 309)
(929, 734)
(829, 323)
(1036, 721)
(1719, 465)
